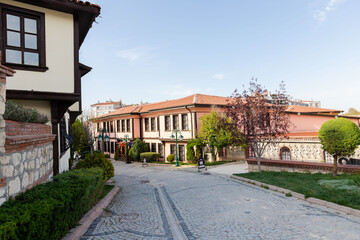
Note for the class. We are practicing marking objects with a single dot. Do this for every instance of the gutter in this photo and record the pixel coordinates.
(191, 121)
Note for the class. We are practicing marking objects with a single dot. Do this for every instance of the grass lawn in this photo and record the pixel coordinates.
(343, 189)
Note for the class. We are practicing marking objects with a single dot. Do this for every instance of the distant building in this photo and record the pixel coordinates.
(99, 109)
(305, 103)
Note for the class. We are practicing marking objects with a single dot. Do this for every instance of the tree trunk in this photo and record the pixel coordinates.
(259, 164)
(335, 166)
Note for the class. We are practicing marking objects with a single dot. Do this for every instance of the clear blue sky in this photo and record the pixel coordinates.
(151, 51)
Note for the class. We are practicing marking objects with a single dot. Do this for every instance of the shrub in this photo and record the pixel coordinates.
(138, 147)
(107, 155)
(97, 160)
(150, 156)
(130, 153)
(190, 154)
(50, 210)
(116, 156)
(170, 158)
(17, 112)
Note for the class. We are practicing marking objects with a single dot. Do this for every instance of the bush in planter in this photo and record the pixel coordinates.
(97, 160)
(170, 158)
(17, 112)
(50, 210)
(150, 156)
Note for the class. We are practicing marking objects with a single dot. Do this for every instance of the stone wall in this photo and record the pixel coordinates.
(295, 166)
(26, 150)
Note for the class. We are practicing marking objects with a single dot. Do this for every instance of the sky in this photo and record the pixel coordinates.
(150, 51)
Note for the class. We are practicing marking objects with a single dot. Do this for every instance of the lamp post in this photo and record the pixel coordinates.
(175, 136)
(103, 139)
(126, 140)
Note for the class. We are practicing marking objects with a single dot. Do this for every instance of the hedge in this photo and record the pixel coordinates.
(170, 158)
(50, 210)
(97, 160)
(150, 156)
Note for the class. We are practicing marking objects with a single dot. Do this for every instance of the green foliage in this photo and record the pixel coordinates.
(97, 160)
(191, 154)
(130, 153)
(339, 137)
(17, 112)
(50, 210)
(170, 158)
(352, 111)
(339, 189)
(150, 156)
(138, 147)
(218, 132)
(107, 155)
(83, 142)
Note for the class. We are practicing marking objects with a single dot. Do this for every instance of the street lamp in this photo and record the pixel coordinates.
(175, 136)
(126, 140)
(101, 138)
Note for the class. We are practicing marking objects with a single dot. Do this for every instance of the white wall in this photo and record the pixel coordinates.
(59, 37)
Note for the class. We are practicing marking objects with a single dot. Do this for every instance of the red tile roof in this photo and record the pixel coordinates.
(303, 109)
(86, 3)
(103, 103)
(189, 100)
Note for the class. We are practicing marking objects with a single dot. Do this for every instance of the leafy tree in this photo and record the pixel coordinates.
(83, 142)
(352, 111)
(138, 147)
(191, 154)
(218, 132)
(339, 137)
(262, 120)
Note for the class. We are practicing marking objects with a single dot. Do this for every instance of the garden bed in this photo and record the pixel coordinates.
(343, 190)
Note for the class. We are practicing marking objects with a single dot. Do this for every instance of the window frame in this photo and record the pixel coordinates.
(176, 116)
(152, 124)
(147, 125)
(128, 129)
(167, 117)
(41, 42)
(186, 122)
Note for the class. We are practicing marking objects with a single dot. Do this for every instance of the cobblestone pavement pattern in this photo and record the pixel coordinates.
(211, 207)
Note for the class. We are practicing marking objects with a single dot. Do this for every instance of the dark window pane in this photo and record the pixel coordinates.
(13, 22)
(13, 39)
(13, 56)
(31, 58)
(30, 41)
(30, 26)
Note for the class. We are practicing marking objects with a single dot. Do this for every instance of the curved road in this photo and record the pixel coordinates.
(161, 202)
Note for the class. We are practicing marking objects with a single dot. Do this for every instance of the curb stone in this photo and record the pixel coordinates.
(337, 207)
(88, 218)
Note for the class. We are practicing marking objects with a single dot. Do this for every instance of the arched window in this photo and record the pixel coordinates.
(285, 154)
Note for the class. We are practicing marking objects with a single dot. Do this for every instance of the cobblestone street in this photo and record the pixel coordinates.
(210, 206)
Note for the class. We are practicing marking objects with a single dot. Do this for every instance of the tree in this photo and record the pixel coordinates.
(83, 142)
(339, 137)
(262, 120)
(191, 154)
(138, 147)
(352, 111)
(218, 132)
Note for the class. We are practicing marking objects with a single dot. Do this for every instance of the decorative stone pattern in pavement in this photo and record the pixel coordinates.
(213, 207)
(135, 213)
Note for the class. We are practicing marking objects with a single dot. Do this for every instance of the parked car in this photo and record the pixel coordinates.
(349, 161)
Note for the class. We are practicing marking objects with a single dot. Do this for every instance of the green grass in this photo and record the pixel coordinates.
(343, 189)
(107, 189)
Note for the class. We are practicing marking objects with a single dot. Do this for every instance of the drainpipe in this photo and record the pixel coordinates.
(191, 121)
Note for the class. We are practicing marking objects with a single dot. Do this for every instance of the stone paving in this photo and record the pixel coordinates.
(210, 206)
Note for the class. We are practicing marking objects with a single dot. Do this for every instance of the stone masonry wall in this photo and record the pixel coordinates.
(26, 150)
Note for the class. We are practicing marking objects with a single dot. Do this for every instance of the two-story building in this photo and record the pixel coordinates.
(102, 108)
(41, 39)
(155, 122)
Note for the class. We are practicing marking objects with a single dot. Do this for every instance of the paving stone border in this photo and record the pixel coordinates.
(311, 200)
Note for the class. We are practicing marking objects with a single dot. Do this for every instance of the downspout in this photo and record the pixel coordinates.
(191, 121)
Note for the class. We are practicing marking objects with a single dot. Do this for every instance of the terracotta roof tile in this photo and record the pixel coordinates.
(303, 109)
(189, 100)
(86, 3)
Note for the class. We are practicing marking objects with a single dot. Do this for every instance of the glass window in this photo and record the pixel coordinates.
(184, 122)
(112, 126)
(123, 125)
(182, 153)
(167, 123)
(160, 150)
(118, 125)
(153, 147)
(173, 149)
(128, 125)
(147, 127)
(24, 38)
(285, 154)
(153, 127)
(176, 122)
